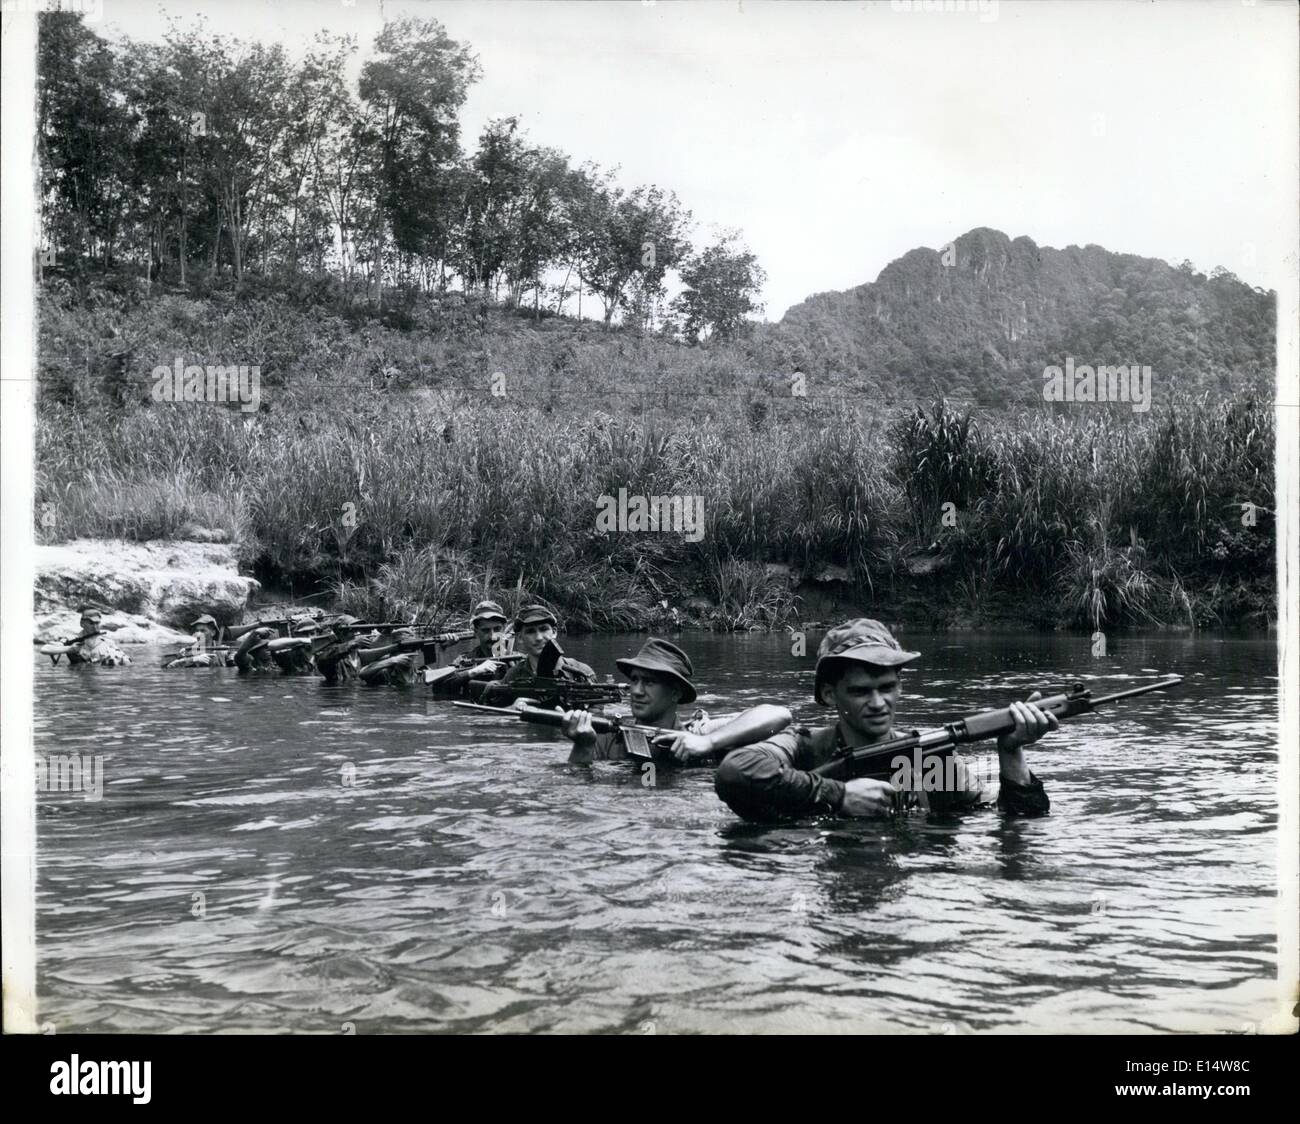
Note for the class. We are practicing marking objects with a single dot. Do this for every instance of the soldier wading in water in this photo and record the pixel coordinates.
(488, 622)
(660, 675)
(857, 675)
(92, 646)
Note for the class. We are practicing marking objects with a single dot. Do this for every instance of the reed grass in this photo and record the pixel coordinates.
(380, 463)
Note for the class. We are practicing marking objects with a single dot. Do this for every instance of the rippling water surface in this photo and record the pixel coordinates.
(278, 855)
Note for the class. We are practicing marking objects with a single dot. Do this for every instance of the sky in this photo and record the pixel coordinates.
(837, 137)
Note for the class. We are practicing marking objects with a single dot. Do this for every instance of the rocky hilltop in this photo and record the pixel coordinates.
(981, 317)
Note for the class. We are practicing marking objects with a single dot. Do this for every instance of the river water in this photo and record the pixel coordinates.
(278, 855)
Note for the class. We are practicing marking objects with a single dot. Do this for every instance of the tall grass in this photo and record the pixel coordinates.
(420, 499)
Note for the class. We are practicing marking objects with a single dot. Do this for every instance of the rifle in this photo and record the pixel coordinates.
(57, 648)
(192, 650)
(427, 644)
(280, 624)
(545, 686)
(877, 759)
(434, 675)
(562, 692)
(380, 626)
(636, 747)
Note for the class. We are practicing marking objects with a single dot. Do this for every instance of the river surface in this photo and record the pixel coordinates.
(278, 855)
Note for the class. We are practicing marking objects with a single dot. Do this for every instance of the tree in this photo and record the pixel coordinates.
(414, 89)
(721, 287)
(245, 118)
(83, 138)
(316, 96)
(626, 238)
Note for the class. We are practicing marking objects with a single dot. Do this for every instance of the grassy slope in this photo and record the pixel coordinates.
(1089, 515)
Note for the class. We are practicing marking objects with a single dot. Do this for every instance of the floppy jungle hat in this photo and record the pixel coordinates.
(662, 658)
(863, 641)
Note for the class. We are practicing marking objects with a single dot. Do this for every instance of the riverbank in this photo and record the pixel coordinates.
(148, 592)
(392, 470)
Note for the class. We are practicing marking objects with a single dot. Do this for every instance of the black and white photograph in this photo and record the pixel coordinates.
(650, 518)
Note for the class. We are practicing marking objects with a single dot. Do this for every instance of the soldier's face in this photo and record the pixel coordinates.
(487, 633)
(650, 696)
(89, 624)
(534, 637)
(865, 698)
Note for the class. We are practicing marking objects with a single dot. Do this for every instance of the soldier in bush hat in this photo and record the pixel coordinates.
(488, 621)
(338, 660)
(660, 675)
(395, 668)
(253, 656)
(202, 651)
(91, 646)
(535, 627)
(857, 674)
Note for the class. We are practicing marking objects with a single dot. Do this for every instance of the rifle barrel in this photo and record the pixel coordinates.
(602, 724)
(1144, 689)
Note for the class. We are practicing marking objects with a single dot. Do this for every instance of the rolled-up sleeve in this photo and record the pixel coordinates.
(764, 781)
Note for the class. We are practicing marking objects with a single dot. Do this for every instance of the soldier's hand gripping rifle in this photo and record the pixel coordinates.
(58, 648)
(602, 724)
(878, 759)
(551, 685)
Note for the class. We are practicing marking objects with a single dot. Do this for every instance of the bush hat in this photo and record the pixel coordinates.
(487, 611)
(534, 614)
(662, 658)
(205, 619)
(863, 641)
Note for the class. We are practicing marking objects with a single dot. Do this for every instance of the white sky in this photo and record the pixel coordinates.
(839, 136)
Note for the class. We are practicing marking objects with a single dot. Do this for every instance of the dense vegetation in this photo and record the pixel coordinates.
(380, 453)
(424, 436)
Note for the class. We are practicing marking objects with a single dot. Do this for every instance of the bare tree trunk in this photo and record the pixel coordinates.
(237, 239)
(564, 289)
(184, 207)
(216, 241)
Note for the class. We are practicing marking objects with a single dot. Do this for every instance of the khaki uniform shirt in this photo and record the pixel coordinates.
(98, 649)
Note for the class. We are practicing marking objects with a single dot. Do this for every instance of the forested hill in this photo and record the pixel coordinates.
(982, 318)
